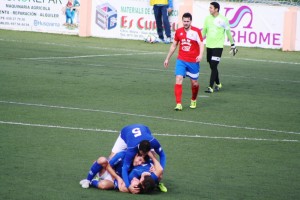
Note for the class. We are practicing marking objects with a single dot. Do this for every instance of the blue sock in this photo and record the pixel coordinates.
(93, 171)
(95, 183)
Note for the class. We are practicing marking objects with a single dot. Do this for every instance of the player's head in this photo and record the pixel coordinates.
(214, 8)
(135, 182)
(147, 185)
(144, 147)
(138, 160)
(187, 20)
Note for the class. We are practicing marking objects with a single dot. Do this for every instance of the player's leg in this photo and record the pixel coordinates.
(104, 181)
(218, 53)
(209, 52)
(166, 22)
(158, 20)
(180, 72)
(97, 166)
(193, 71)
(119, 145)
(215, 56)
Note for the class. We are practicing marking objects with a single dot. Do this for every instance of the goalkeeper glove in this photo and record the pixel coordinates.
(233, 50)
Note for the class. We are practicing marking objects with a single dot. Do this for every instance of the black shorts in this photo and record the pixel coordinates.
(214, 54)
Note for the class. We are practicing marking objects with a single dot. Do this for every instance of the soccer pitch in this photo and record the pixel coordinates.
(63, 100)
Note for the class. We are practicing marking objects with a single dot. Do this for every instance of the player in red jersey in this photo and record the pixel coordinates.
(190, 54)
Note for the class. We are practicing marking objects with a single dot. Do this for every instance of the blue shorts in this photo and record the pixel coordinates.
(190, 69)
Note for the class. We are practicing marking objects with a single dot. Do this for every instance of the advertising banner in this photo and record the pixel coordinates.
(53, 16)
(131, 19)
(251, 25)
(297, 42)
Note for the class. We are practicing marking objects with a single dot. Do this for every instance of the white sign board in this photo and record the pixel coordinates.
(39, 15)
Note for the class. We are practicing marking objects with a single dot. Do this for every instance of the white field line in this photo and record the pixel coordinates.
(153, 117)
(138, 51)
(166, 135)
(73, 46)
(90, 56)
(261, 60)
(165, 70)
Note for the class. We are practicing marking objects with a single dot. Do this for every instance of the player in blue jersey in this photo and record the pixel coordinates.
(143, 178)
(106, 175)
(150, 171)
(100, 173)
(136, 138)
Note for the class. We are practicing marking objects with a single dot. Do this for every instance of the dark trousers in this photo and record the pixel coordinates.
(213, 58)
(161, 17)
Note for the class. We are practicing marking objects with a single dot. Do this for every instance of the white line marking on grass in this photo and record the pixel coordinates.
(165, 70)
(153, 117)
(166, 135)
(133, 50)
(261, 60)
(89, 56)
(74, 46)
(262, 78)
(203, 96)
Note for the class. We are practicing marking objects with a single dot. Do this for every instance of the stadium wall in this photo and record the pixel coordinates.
(252, 25)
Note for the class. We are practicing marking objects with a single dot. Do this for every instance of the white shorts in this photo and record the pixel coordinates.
(119, 146)
(104, 176)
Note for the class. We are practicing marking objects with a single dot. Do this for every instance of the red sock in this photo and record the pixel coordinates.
(178, 92)
(195, 90)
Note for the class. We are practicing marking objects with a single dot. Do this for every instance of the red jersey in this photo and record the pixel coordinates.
(189, 47)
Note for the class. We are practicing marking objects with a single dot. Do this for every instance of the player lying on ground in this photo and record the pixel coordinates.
(107, 175)
(137, 138)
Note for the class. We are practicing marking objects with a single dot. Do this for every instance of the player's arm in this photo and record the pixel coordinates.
(233, 49)
(204, 29)
(229, 35)
(159, 150)
(170, 6)
(157, 166)
(126, 165)
(171, 51)
(201, 47)
(121, 184)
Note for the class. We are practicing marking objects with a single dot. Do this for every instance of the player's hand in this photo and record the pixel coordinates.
(170, 10)
(166, 63)
(198, 59)
(134, 189)
(233, 50)
(122, 187)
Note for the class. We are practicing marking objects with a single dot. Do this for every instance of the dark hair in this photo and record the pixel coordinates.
(216, 5)
(144, 146)
(187, 15)
(148, 185)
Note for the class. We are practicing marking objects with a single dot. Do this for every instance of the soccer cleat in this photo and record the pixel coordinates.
(209, 90)
(218, 87)
(168, 41)
(178, 107)
(162, 187)
(193, 104)
(85, 183)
